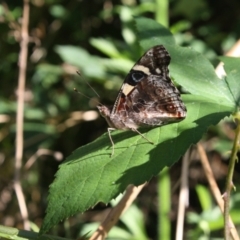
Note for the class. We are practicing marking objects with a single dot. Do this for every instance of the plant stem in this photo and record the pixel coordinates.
(229, 182)
(113, 216)
(161, 13)
(20, 113)
(164, 205)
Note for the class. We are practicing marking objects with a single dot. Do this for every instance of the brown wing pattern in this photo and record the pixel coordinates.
(155, 101)
(156, 60)
(148, 96)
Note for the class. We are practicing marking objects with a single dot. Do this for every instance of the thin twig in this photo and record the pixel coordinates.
(20, 109)
(57, 155)
(214, 188)
(183, 197)
(229, 180)
(112, 218)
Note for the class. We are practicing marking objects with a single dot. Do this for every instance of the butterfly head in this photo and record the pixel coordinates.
(106, 113)
(104, 110)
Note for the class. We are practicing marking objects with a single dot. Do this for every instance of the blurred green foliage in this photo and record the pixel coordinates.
(98, 39)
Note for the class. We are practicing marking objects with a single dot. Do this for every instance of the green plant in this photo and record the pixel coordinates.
(90, 175)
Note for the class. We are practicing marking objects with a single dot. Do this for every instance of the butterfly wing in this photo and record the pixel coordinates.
(148, 96)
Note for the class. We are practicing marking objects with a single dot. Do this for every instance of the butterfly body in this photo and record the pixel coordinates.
(147, 97)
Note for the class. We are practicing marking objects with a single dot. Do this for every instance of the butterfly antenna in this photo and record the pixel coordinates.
(88, 84)
(77, 91)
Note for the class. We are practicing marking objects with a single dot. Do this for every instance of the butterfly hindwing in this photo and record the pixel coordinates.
(147, 97)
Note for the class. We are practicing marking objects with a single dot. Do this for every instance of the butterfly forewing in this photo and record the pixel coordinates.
(147, 97)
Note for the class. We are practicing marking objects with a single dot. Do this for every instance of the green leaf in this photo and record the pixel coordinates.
(7, 106)
(196, 74)
(34, 113)
(204, 197)
(188, 68)
(133, 219)
(47, 74)
(90, 175)
(40, 127)
(231, 66)
(106, 47)
(90, 65)
(118, 65)
(151, 33)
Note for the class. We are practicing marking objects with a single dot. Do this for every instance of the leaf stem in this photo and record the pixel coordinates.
(229, 182)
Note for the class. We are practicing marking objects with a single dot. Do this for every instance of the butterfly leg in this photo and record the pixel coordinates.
(135, 130)
(109, 135)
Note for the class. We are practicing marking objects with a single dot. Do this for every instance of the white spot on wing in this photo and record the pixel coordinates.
(126, 88)
(142, 68)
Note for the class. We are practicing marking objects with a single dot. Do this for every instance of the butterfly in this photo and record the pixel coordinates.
(147, 98)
